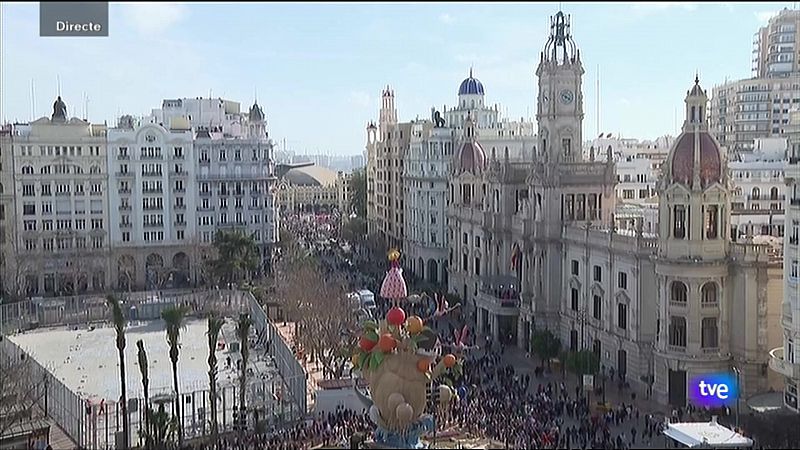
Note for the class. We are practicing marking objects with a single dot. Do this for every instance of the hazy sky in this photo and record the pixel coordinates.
(319, 68)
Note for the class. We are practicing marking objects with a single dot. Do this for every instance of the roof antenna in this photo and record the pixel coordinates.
(58, 83)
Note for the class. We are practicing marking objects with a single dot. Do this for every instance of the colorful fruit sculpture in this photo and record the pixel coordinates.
(399, 369)
(414, 325)
(396, 316)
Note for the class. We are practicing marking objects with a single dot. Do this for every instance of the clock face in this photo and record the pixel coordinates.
(567, 96)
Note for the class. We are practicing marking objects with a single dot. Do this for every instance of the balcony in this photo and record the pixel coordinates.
(205, 193)
(181, 173)
(180, 207)
(205, 161)
(709, 305)
(794, 160)
(153, 225)
(125, 175)
(676, 349)
(181, 223)
(124, 191)
(232, 176)
(125, 225)
(153, 191)
(123, 157)
(780, 365)
(180, 190)
(95, 193)
(152, 174)
(153, 208)
(500, 293)
(124, 207)
(144, 157)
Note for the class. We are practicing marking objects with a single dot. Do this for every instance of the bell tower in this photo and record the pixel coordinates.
(560, 100)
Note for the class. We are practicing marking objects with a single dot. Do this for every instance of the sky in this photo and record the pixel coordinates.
(318, 68)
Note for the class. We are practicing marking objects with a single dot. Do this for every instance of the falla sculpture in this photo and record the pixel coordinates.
(399, 357)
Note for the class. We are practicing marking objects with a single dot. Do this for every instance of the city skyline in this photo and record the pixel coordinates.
(327, 62)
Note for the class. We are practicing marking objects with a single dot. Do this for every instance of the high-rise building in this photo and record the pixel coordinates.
(745, 110)
(387, 146)
(60, 185)
(775, 46)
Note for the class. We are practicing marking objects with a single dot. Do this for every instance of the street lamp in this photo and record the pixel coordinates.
(739, 393)
(582, 322)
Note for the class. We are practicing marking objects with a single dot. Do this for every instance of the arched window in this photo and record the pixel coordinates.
(709, 293)
(755, 193)
(712, 219)
(678, 292)
(773, 193)
(472, 104)
(694, 114)
(27, 170)
(679, 225)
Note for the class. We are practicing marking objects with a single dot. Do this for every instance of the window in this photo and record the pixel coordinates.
(755, 193)
(47, 225)
(709, 333)
(711, 222)
(477, 266)
(679, 222)
(793, 273)
(678, 292)
(598, 307)
(598, 274)
(28, 210)
(677, 331)
(622, 280)
(574, 299)
(46, 192)
(566, 144)
(575, 267)
(709, 293)
(28, 190)
(622, 315)
(464, 263)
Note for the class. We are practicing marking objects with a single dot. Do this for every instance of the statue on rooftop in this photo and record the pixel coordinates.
(59, 110)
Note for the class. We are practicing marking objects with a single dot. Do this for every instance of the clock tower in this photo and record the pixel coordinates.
(560, 102)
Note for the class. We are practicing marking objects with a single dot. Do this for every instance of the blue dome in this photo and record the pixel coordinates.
(470, 86)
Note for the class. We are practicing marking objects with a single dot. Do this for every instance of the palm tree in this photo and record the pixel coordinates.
(214, 327)
(237, 253)
(243, 333)
(173, 318)
(143, 365)
(119, 327)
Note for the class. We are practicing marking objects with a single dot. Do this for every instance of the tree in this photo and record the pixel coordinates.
(143, 369)
(162, 428)
(119, 326)
(583, 362)
(237, 256)
(546, 345)
(214, 327)
(324, 319)
(173, 318)
(21, 388)
(354, 230)
(358, 193)
(243, 333)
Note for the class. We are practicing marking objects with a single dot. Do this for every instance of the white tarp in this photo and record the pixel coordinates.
(698, 434)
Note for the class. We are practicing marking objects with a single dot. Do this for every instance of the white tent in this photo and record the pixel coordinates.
(706, 434)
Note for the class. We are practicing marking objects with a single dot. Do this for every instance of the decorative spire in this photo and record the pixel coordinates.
(470, 71)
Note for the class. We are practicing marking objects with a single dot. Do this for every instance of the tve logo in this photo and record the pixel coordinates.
(714, 390)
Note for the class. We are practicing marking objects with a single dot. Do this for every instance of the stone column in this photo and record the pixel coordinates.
(495, 321)
(525, 281)
(481, 323)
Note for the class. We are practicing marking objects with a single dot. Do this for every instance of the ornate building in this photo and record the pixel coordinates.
(428, 168)
(60, 183)
(533, 245)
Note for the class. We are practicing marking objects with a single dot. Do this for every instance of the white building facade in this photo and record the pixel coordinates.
(153, 225)
(429, 164)
(60, 183)
(785, 360)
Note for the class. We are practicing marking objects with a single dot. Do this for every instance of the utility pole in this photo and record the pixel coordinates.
(739, 393)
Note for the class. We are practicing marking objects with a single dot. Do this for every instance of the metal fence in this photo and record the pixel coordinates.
(274, 397)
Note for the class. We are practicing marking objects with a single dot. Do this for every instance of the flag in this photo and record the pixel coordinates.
(514, 256)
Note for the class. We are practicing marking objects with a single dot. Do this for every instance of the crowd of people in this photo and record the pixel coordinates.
(332, 429)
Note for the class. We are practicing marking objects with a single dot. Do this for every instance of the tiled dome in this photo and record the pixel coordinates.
(470, 86)
(683, 159)
(472, 157)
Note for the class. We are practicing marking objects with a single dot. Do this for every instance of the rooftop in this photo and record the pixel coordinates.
(706, 434)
